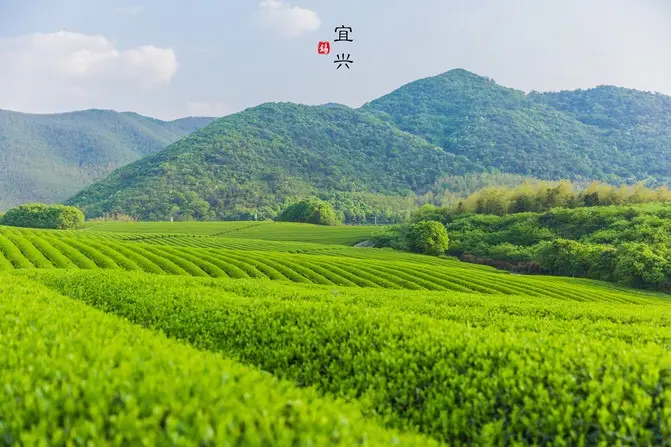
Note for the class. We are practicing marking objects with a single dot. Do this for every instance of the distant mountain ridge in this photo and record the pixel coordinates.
(454, 124)
(272, 153)
(49, 157)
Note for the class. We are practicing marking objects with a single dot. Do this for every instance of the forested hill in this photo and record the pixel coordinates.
(608, 133)
(636, 124)
(49, 158)
(453, 124)
(257, 159)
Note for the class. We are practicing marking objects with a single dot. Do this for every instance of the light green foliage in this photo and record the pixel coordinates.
(270, 231)
(313, 211)
(461, 353)
(428, 237)
(72, 375)
(543, 196)
(39, 215)
(462, 368)
(298, 262)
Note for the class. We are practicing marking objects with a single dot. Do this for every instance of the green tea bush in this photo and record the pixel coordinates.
(39, 215)
(468, 370)
(72, 375)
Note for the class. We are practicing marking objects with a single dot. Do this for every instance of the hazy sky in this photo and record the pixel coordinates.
(165, 59)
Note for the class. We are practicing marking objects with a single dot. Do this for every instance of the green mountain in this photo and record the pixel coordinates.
(255, 160)
(453, 124)
(48, 158)
(552, 136)
(636, 124)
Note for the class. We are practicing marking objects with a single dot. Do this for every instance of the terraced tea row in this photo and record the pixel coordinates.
(72, 375)
(206, 241)
(451, 366)
(49, 251)
(272, 231)
(189, 228)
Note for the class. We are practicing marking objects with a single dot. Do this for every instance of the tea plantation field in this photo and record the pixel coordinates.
(283, 334)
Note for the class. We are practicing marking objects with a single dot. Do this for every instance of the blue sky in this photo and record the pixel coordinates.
(172, 58)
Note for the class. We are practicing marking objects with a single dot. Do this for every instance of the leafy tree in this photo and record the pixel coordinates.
(312, 211)
(428, 237)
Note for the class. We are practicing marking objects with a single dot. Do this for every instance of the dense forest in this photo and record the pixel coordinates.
(48, 158)
(424, 143)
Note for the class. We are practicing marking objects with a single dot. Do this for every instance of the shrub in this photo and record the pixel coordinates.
(428, 237)
(312, 211)
(39, 215)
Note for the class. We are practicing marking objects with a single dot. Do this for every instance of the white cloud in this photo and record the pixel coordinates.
(288, 20)
(130, 10)
(203, 108)
(65, 70)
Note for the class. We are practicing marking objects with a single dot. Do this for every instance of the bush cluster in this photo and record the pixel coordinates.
(630, 244)
(543, 196)
(39, 215)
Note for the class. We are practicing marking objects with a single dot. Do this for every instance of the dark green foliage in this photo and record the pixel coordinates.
(311, 211)
(260, 160)
(48, 158)
(39, 215)
(627, 244)
(637, 124)
(428, 237)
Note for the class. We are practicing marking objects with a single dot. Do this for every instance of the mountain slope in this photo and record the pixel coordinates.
(263, 156)
(453, 124)
(50, 157)
(637, 123)
(544, 135)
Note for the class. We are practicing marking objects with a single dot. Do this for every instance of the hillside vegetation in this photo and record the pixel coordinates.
(151, 323)
(48, 158)
(607, 133)
(417, 141)
(254, 161)
(626, 244)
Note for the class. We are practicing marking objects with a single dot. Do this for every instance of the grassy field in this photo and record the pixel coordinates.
(282, 334)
